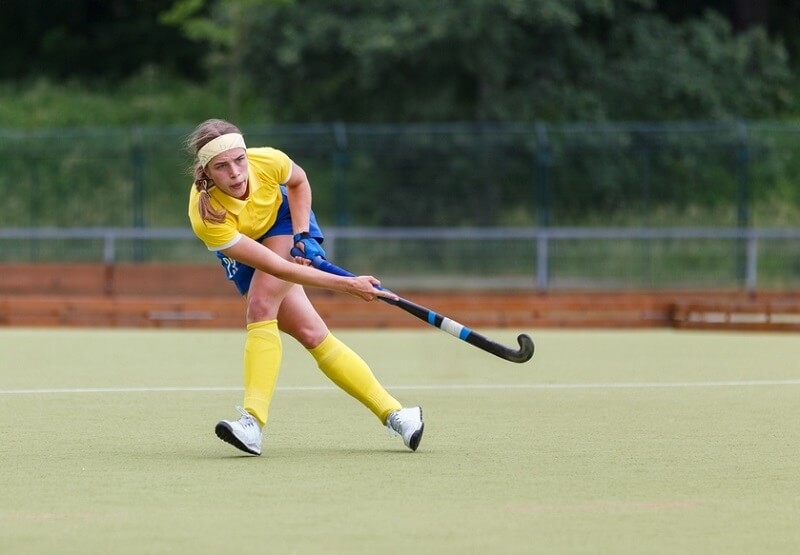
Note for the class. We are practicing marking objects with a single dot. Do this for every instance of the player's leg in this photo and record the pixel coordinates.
(262, 349)
(262, 358)
(298, 318)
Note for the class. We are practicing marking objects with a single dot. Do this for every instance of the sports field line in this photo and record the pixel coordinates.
(443, 387)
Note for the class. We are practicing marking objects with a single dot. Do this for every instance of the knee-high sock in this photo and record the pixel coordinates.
(262, 362)
(349, 371)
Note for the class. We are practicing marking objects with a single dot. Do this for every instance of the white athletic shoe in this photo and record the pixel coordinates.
(408, 423)
(244, 434)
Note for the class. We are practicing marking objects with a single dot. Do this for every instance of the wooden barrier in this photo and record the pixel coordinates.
(135, 280)
(475, 309)
(752, 315)
(197, 296)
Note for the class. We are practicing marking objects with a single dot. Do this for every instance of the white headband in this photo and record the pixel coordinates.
(218, 146)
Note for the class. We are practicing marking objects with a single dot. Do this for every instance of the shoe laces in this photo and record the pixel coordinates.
(247, 420)
(393, 424)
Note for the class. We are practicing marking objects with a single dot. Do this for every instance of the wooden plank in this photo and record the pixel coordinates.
(765, 315)
(178, 295)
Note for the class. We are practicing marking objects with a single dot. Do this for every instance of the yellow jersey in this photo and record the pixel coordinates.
(268, 169)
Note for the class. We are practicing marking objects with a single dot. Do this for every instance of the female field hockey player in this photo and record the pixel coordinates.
(250, 206)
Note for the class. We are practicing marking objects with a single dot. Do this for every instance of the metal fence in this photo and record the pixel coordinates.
(538, 205)
(458, 258)
(741, 174)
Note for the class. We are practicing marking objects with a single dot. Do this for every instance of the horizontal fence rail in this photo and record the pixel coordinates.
(539, 253)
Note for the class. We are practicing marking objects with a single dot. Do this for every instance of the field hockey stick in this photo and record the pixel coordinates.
(523, 354)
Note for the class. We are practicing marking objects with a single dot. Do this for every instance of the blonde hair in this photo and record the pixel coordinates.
(202, 135)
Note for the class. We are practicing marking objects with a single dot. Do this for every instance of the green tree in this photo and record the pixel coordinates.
(222, 26)
(410, 59)
(489, 60)
(413, 60)
(698, 69)
(90, 40)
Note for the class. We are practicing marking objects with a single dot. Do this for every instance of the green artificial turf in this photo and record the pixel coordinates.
(606, 442)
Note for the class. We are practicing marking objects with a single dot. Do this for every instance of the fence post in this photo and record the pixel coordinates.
(543, 163)
(752, 262)
(742, 200)
(137, 194)
(542, 259)
(341, 165)
(642, 147)
(35, 206)
(108, 261)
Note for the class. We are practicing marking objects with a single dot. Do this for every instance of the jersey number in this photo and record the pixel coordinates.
(230, 267)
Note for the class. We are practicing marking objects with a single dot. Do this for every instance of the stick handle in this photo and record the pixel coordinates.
(523, 354)
(321, 264)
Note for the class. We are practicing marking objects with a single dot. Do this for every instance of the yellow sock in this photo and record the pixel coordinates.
(349, 371)
(262, 362)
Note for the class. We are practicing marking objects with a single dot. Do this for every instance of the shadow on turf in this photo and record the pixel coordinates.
(303, 453)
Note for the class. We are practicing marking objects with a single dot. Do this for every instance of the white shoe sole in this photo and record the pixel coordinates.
(416, 437)
(225, 433)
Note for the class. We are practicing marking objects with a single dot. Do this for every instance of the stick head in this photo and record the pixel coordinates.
(526, 349)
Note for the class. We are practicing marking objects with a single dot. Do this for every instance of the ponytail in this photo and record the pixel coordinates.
(207, 211)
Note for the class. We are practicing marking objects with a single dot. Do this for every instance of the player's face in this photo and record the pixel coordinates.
(228, 171)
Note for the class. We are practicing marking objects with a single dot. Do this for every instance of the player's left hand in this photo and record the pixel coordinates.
(307, 247)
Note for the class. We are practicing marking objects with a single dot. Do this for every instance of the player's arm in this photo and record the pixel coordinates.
(261, 258)
(298, 190)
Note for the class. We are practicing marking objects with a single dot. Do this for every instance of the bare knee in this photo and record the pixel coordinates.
(260, 309)
(298, 318)
(309, 333)
(265, 297)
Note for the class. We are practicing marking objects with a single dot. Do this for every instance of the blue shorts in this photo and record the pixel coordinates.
(241, 274)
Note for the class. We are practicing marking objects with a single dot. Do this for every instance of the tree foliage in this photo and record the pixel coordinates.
(489, 60)
(416, 60)
(413, 60)
(695, 70)
(90, 40)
